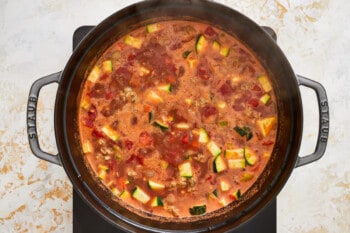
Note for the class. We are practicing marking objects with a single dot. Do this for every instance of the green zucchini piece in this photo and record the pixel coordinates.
(219, 164)
(186, 53)
(201, 43)
(244, 132)
(224, 51)
(152, 28)
(213, 148)
(265, 99)
(265, 83)
(236, 195)
(216, 45)
(163, 126)
(166, 87)
(236, 163)
(185, 169)
(203, 136)
(133, 41)
(157, 201)
(140, 195)
(250, 157)
(155, 186)
(198, 209)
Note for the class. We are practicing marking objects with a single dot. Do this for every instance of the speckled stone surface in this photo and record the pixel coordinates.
(36, 40)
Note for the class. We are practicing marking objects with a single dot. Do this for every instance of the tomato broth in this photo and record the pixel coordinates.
(177, 119)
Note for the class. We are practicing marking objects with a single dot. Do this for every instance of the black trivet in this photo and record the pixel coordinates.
(86, 220)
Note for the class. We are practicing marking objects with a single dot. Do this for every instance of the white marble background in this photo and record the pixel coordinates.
(36, 40)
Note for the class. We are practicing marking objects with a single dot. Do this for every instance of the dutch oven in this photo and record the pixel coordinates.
(286, 84)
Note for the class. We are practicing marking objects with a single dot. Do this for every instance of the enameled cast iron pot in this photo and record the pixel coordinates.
(286, 84)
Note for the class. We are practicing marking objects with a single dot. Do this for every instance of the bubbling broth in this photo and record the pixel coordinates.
(177, 119)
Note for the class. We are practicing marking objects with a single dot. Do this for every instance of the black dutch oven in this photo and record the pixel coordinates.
(286, 84)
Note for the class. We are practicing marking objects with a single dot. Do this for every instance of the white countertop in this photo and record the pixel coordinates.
(36, 40)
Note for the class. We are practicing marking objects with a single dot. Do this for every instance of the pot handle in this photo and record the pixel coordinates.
(31, 118)
(323, 130)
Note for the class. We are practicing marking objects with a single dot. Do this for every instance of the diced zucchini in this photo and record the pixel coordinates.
(115, 191)
(161, 124)
(225, 51)
(103, 169)
(94, 74)
(185, 169)
(236, 163)
(156, 201)
(186, 53)
(219, 164)
(265, 99)
(152, 28)
(224, 186)
(201, 43)
(84, 104)
(246, 176)
(198, 209)
(133, 41)
(140, 195)
(110, 132)
(265, 83)
(216, 45)
(223, 202)
(203, 136)
(107, 66)
(234, 153)
(124, 194)
(250, 157)
(166, 87)
(154, 97)
(182, 125)
(236, 195)
(213, 148)
(244, 132)
(87, 147)
(215, 192)
(266, 125)
(155, 186)
(223, 123)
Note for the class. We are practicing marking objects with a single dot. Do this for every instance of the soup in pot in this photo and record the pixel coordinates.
(177, 119)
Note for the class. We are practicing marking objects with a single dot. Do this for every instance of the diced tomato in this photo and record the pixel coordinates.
(97, 134)
(135, 158)
(108, 95)
(225, 89)
(210, 33)
(128, 144)
(256, 88)
(185, 139)
(145, 138)
(267, 143)
(253, 102)
(131, 57)
(91, 116)
(232, 197)
(208, 111)
(203, 71)
(173, 158)
(147, 108)
(104, 76)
